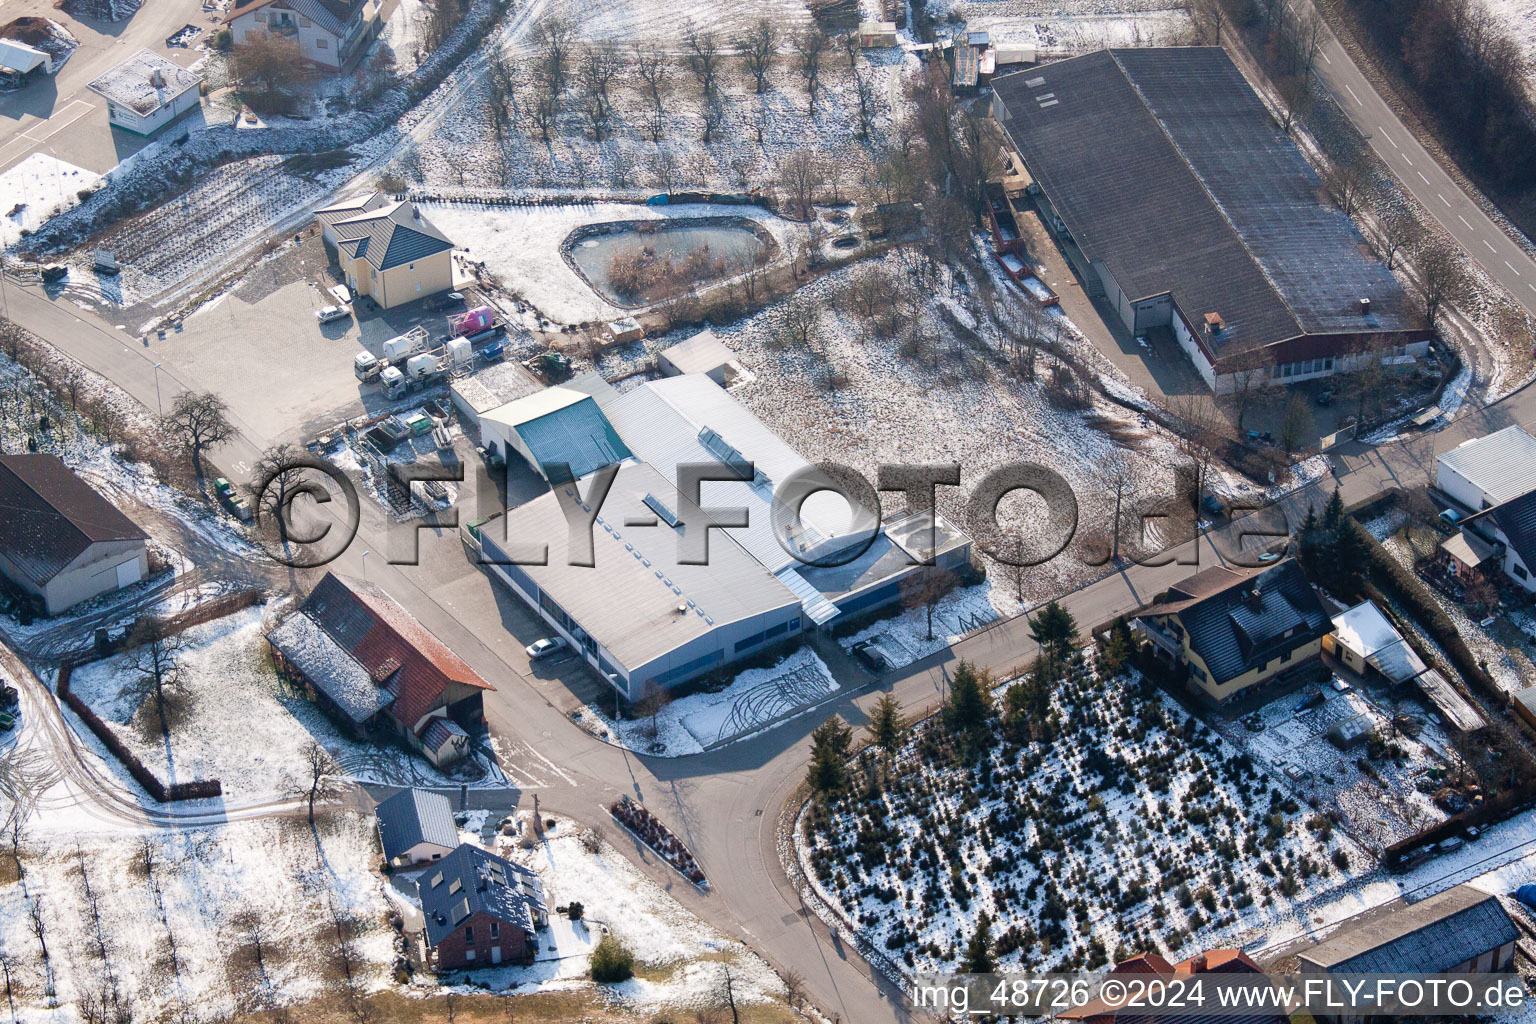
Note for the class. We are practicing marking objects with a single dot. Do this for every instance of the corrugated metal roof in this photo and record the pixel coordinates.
(562, 427)
(1167, 167)
(1502, 464)
(629, 599)
(18, 56)
(1428, 937)
(699, 354)
(414, 816)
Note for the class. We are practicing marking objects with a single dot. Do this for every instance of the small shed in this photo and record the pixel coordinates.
(146, 92)
(625, 329)
(416, 827)
(877, 33)
(703, 353)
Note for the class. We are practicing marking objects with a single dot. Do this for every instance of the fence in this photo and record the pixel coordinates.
(208, 611)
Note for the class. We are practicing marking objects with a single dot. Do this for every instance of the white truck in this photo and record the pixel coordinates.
(397, 350)
(425, 368)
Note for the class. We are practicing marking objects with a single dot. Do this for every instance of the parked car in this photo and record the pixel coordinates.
(9, 697)
(448, 300)
(870, 656)
(1325, 398)
(7, 721)
(326, 314)
(544, 648)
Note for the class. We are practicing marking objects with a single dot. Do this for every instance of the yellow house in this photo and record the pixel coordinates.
(387, 250)
(1233, 628)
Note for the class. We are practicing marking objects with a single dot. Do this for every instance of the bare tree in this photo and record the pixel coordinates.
(555, 37)
(156, 660)
(864, 91)
(501, 93)
(200, 421)
(269, 70)
(759, 47)
(703, 56)
(1296, 423)
(811, 45)
(1397, 228)
(1209, 17)
(925, 588)
(1440, 275)
(1198, 439)
(1346, 180)
(317, 764)
(712, 117)
(1295, 100)
(651, 67)
(1247, 384)
(1117, 470)
(599, 67)
(801, 319)
(801, 174)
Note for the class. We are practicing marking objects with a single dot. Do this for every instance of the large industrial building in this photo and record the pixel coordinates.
(642, 614)
(1180, 204)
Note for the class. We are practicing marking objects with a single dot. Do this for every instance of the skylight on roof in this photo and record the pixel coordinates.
(663, 510)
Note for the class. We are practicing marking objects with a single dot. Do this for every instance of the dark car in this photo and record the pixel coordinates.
(870, 656)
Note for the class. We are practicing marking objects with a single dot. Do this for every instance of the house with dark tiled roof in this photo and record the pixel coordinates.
(416, 827)
(60, 541)
(1231, 629)
(1459, 931)
(1504, 536)
(377, 670)
(327, 34)
(387, 249)
(1215, 961)
(480, 909)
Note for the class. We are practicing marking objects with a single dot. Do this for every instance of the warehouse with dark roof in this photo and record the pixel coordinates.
(1181, 204)
(60, 541)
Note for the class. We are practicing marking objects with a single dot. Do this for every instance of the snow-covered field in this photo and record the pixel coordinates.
(904, 638)
(520, 246)
(755, 699)
(34, 190)
(181, 912)
(1126, 826)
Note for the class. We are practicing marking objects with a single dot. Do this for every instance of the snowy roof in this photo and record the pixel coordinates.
(351, 206)
(390, 236)
(701, 353)
(439, 731)
(1502, 464)
(145, 82)
(1367, 632)
(1516, 520)
(307, 647)
(565, 432)
(629, 600)
(374, 641)
(1428, 937)
(414, 816)
(471, 881)
(1450, 703)
(330, 15)
(690, 419)
(495, 386)
(18, 56)
(52, 516)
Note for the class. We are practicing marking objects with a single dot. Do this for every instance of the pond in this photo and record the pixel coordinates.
(637, 263)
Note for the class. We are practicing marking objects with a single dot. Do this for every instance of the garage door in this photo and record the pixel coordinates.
(128, 573)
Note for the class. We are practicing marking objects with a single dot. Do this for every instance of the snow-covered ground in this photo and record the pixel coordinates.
(521, 246)
(36, 189)
(179, 936)
(904, 638)
(242, 725)
(1126, 826)
(755, 699)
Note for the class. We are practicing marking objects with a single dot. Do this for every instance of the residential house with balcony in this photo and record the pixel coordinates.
(1231, 629)
(328, 33)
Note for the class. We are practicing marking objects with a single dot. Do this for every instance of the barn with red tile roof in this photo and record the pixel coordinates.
(371, 665)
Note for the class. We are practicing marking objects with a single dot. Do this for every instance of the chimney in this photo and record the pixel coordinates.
(1197, 965)
(1213, 323)
(1365, 307)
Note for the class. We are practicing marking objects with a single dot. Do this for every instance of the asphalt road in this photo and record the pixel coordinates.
(1486, 241)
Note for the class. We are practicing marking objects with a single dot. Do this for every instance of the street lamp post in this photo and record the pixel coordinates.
(158, 407)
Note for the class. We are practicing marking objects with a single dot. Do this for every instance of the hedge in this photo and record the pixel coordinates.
(201, 789)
